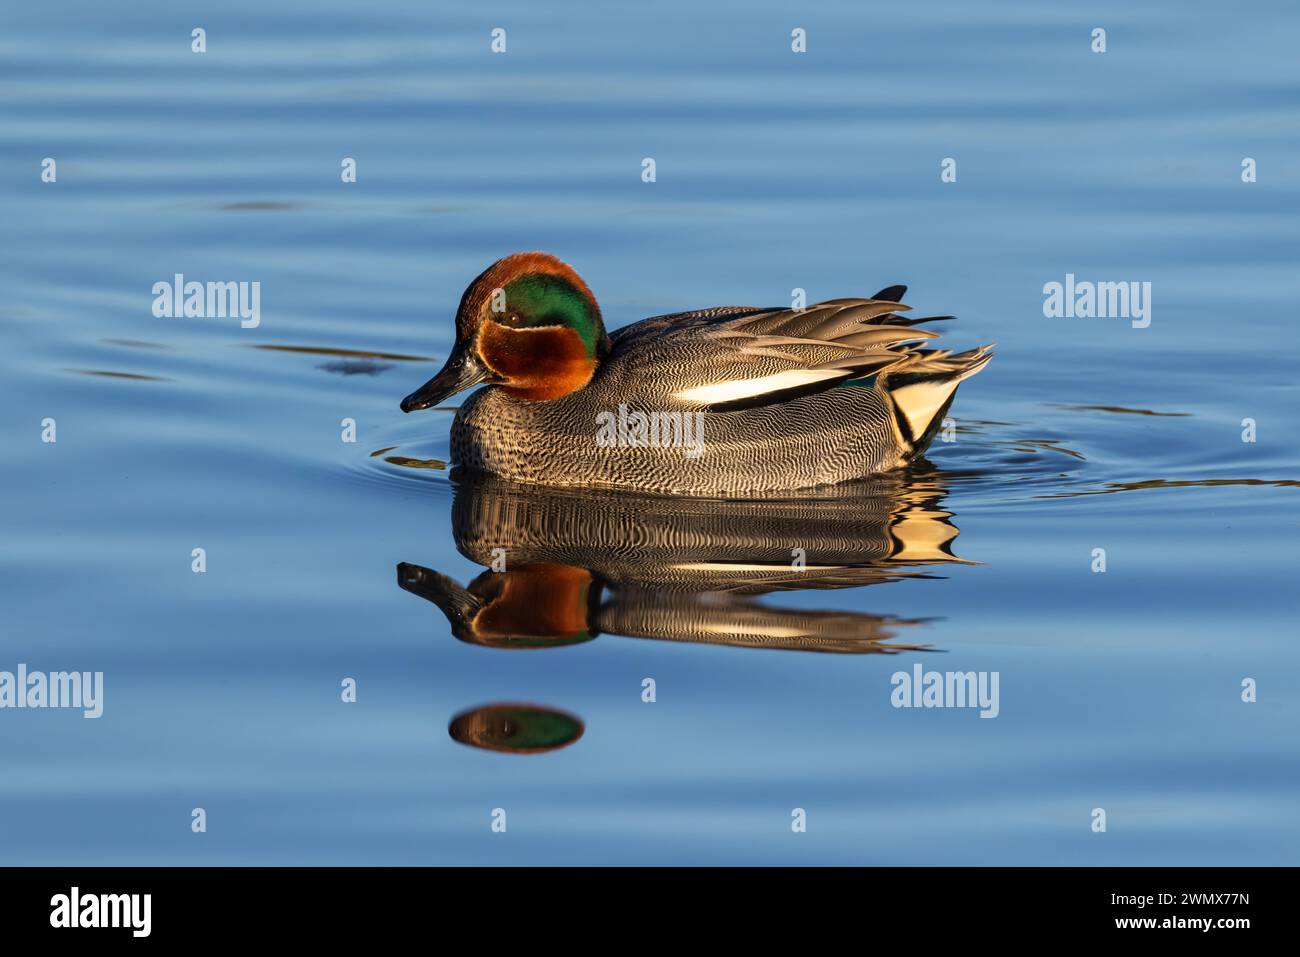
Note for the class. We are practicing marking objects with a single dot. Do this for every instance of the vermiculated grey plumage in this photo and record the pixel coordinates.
(786, 399)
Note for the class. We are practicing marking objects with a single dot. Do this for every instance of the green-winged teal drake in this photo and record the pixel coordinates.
(726, 401)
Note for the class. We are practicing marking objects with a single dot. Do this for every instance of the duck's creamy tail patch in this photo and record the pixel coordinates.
(921, 403)
(922, 396)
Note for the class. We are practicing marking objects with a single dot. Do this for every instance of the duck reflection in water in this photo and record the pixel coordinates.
(573, 565)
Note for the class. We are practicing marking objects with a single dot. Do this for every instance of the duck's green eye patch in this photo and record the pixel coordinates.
(540, 299)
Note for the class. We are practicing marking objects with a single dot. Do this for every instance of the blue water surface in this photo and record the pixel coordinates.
(775, 170)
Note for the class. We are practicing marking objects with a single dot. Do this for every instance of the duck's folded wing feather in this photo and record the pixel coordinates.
(736, 357)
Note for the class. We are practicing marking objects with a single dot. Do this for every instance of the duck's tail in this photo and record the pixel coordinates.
(921, 390)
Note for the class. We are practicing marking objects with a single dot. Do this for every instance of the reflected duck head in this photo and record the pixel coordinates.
(536, 606)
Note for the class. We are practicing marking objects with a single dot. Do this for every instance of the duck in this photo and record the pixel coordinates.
(728, 401)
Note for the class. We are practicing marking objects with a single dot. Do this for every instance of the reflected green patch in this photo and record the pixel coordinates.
(516, 728)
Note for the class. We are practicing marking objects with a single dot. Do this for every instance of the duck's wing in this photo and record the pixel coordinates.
(737, 357)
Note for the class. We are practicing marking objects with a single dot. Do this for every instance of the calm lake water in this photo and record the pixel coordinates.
(1119, 690)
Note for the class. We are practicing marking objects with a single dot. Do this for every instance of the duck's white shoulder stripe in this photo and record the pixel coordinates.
(720, 392)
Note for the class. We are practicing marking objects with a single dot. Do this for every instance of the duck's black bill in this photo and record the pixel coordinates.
(458, 604)
(461, 372)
